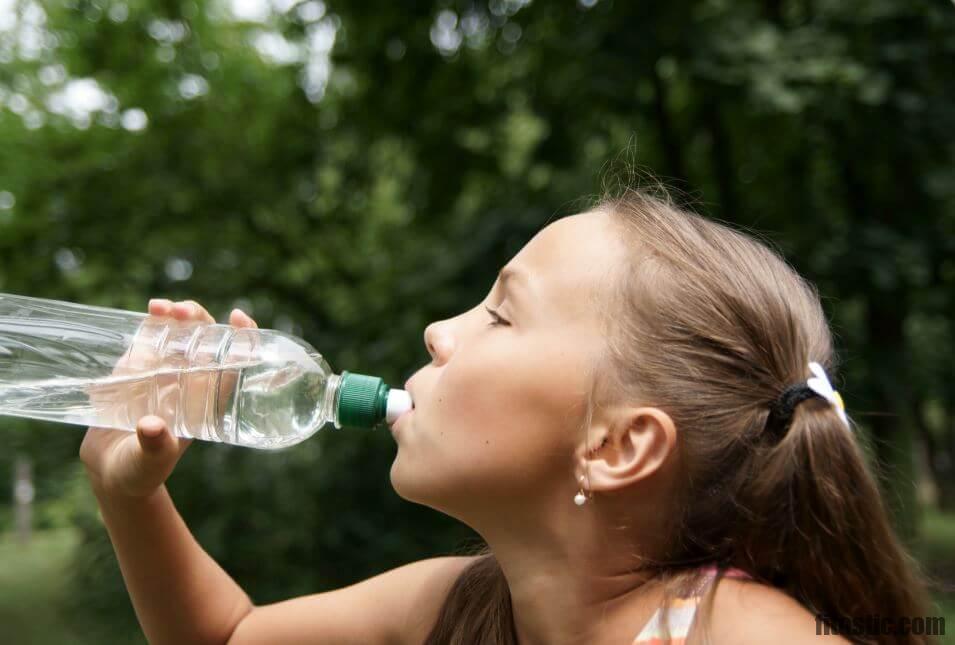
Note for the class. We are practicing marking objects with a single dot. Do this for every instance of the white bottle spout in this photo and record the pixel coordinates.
(399, 402)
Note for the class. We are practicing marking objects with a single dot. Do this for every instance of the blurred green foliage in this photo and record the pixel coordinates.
(351, 171)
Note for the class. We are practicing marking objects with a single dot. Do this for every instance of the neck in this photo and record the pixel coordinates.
(573, 576)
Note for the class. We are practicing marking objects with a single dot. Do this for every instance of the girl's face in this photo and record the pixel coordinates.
(498, 410)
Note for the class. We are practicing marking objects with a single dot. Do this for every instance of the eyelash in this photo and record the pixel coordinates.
(497, 319)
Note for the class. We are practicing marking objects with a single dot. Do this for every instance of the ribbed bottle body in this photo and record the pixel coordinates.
(107, 368)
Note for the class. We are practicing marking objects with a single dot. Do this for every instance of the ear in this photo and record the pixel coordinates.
(638, 443)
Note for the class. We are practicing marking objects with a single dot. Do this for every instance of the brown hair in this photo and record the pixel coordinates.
(711, 326)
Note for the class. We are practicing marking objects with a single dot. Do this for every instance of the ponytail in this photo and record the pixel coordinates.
(815, 504)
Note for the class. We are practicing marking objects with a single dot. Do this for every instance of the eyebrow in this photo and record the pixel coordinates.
(513, 276)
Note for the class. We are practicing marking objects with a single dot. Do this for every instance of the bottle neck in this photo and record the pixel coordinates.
(330, 404)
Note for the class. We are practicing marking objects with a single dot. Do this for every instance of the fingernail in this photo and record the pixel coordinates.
(151, 425)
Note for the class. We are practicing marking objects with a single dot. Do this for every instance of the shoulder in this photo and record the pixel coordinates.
(746, 612)
(425, 585)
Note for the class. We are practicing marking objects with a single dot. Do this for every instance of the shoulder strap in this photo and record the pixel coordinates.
(679, 618)
(682, 611)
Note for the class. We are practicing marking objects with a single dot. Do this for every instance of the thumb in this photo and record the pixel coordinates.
(142, 464)
(153, 436)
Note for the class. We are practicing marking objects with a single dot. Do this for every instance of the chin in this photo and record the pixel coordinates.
(394, 480)
(416, 485)
(403, 482)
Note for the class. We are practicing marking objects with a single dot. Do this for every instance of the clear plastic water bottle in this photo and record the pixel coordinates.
(102, 367)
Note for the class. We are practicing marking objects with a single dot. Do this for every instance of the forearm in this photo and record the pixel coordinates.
(180, 594)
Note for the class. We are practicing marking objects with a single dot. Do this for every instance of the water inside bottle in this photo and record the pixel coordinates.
(252, 403)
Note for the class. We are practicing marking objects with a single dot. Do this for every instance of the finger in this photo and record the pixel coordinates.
(239, 318)
(201, 312)
(191, 310)
(159, 307)
(182, 310)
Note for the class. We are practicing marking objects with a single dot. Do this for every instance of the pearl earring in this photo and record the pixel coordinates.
(579, 498)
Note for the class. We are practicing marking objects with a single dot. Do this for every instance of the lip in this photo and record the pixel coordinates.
(394, 425)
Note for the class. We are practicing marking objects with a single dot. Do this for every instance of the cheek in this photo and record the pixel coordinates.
(499, 416)
(492, 395)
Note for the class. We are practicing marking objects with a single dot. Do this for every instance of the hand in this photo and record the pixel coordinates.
(119, 462)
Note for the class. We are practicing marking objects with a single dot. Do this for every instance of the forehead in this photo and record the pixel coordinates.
(570, 261)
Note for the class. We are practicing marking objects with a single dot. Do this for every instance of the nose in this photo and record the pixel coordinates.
(439, 342)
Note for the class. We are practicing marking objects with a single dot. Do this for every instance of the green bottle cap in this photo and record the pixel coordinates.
(362, 400)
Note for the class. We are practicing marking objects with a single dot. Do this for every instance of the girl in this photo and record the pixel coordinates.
(639, 422)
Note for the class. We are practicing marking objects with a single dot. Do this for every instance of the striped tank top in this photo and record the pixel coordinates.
(682, 611)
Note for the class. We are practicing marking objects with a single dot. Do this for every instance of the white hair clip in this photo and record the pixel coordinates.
(820, 385)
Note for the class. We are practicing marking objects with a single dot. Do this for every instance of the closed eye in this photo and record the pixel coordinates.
(497, 320)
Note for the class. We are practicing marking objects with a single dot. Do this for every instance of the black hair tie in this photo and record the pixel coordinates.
(781, 411)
